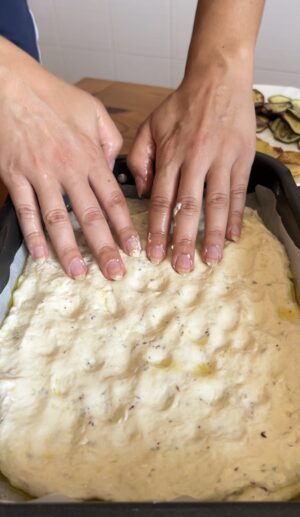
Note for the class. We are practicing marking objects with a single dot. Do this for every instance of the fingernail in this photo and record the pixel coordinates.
(183, 264)
(114, 269)
(156, 253)
(78, 268)
(212, 254)
(38, 253)
(133, 246)
(139, 183)
(234, 232)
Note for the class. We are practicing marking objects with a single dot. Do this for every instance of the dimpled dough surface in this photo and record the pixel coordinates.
(159, 385)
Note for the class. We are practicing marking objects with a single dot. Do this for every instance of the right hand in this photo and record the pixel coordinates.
(56, 139)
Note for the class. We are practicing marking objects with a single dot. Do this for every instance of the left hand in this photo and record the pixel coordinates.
(201, 132)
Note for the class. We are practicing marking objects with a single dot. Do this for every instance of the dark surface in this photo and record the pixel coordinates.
(151, 510)
(265, 171)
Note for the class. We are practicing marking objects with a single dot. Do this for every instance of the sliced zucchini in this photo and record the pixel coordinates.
(296, 106)
(293, 121)
(282, 131)
(258, 97)
(276, 108)
(261, 123)
(279, 98)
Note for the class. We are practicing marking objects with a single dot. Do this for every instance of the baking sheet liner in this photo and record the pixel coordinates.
(263, 200)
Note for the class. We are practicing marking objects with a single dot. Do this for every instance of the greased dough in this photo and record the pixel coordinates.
(159, 385)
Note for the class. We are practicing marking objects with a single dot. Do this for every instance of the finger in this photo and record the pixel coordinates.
(140, 158)
(28, 214)
(163, 196)
(186, 215)
(96, 230)
(238, 191)
(110, 138)
(113, 202)
(60, 230)
(216, 213)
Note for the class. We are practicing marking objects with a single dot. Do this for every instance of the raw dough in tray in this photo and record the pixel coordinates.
(156, 386)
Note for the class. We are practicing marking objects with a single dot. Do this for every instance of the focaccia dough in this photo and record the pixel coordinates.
(157, 386)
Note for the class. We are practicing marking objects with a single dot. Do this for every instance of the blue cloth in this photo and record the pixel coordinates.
(16, 25)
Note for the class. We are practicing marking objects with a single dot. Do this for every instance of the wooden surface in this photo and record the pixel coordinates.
(128, 105)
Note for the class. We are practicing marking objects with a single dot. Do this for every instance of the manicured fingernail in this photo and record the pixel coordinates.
(133, 246)
(156, 253)
(212, 255)
(139, 183)
(38, 253)
(114, 269)
(183, 264)
(234, 232)
(78, 268)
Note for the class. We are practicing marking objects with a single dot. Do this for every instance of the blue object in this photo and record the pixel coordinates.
(16, 24)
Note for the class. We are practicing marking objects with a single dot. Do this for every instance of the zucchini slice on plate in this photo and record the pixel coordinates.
(258, 98)
(262, 123)
(282, 131)
(293, 120)
(276, 108)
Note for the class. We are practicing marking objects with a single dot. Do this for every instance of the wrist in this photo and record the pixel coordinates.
(220, 65)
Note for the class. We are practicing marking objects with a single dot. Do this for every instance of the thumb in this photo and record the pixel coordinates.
(110, 138)
(140, 158)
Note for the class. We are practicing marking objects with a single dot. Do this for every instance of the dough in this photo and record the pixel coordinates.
(157, 386)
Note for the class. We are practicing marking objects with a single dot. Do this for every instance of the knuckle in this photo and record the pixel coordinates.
(189, 206)
(115, 200)
(128, 230)
(106, 252)
(160, 204)
(26, 212)
(92, 215)
(214, 233)
(35, 235)
(66, 251)
(55, 216)
(236, 213)
(217, 200)
(184, 242)
(156, 236)
(239, 191)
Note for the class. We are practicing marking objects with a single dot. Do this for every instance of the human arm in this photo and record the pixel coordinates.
(204, 131)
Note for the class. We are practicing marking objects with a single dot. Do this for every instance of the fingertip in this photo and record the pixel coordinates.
(212, 254)
(115, 269)
(233, 232)
(140, 186)
(182, 263)
(39, 253)
(77, 268)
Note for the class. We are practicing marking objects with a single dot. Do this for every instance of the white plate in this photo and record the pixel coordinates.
(289, 91)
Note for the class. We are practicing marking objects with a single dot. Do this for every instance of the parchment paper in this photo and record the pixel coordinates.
(264, 201)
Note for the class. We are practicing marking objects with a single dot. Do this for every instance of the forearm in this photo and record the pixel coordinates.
(17, 68)
(224, 34)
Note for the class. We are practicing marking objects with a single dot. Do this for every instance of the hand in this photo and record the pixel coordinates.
(204, 131)
(56, 139)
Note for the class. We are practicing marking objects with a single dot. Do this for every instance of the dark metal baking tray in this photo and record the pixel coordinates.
(266, 172)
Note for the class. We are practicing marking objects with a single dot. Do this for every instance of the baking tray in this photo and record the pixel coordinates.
(266, 172)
